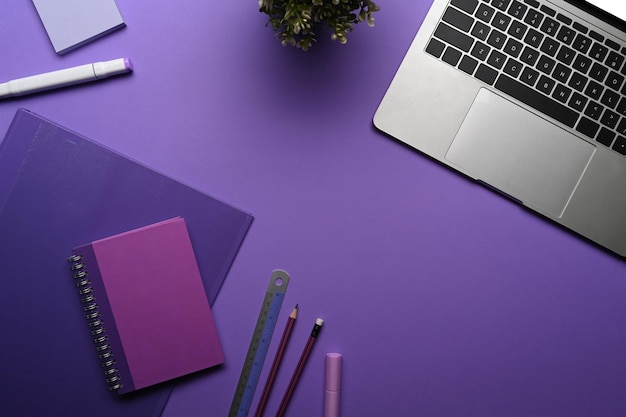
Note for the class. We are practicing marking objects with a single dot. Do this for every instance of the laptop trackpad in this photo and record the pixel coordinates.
(519, 153)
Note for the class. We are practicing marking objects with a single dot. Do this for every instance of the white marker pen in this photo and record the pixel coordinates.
(65, 77)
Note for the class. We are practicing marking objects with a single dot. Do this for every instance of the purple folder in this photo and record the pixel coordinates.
(59, 190)
(146, 307)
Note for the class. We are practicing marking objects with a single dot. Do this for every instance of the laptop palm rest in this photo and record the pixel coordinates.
(520, 153)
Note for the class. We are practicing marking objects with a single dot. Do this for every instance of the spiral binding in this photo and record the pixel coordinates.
(98, 331)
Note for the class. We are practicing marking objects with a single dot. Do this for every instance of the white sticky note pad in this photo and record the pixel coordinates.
(73, 23)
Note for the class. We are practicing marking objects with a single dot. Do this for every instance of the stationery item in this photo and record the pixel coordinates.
(58, 189)
(300, 367)
(146, 307)
(65, 77)
(261, 337)
(73, 23)
(333, 385)
(284, 340)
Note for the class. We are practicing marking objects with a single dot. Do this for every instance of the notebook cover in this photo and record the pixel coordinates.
(58, 189)
(150, 297)
(73, 23)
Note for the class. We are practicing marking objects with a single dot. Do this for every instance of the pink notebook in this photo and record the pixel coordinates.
(146, 306)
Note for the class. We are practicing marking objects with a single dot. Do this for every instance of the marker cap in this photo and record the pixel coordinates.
(114, 67)
(333, 371)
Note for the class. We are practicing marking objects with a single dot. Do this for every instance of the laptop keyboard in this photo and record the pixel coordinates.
(541, 57)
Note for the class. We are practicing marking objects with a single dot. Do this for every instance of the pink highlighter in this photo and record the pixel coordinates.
(333, 384)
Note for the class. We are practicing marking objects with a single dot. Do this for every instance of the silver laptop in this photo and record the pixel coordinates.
(527, 97)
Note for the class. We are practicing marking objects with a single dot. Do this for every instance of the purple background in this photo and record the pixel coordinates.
(445, 299)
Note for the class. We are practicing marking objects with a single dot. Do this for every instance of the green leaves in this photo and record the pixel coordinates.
(294, 20)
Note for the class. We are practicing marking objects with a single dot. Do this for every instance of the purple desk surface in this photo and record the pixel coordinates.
(445, 299)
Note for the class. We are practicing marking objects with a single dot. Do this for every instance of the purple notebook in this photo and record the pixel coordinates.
(58, 190)
(145, 305)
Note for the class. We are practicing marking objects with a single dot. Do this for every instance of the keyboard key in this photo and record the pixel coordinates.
(529, 56)
(612, 44)
(598, 72)
(581, 43)
(468, 64)
(587, 127)
(480, 30)
(598, 52)
(536, 100)
(501, 4)
(566, 35)
(621, 128)
(561, 73)
(529, 76)
(550, 26)
(496, 59)
(513, 47)
(563, 19)
(533, 3)
(480, 51)
(614, 60)
(620, 145)
(578, 102)
(546, 64)
(517, 29)
(561, 93)
(579, 27)
(486, 74)
(466, 5)
(566, 55)
(545, 84)
(594, 110)
(513, 67)
(549, 46)
(485, 13)
(578, 81)
(609, 119)
(595, 35)
(547, 10)
(496, 39)
(534, 18)
(451, 56)
(517, 9)
(458, 19)
(605, 136)
(454, 37)
(614, 80)
(582, 63)
(610, 99)
(501, 21)
(435, 47)
(594, 90)
(533, 38)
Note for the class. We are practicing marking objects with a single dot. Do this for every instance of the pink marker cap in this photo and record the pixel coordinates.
(333, 371)
(333, 385)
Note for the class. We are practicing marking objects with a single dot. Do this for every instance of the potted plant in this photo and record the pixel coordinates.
(295, 21)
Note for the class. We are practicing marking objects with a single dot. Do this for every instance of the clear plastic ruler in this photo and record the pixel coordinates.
(259, 344)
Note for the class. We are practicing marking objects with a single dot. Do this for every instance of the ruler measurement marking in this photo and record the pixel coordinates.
(259, 345)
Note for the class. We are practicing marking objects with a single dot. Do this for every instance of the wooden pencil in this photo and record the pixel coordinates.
(296, 375)
(277, 361)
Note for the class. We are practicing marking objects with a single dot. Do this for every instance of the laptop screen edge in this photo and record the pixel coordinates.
(614, 15)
